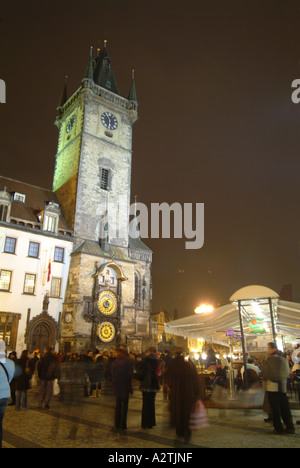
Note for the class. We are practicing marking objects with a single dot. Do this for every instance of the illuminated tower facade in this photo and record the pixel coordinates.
(108, 296)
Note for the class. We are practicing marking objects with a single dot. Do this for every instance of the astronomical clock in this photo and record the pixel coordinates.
(108, 307)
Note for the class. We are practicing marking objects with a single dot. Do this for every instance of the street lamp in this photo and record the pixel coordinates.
(204, 308)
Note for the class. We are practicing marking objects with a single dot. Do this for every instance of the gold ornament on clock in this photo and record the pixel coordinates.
(106, 332)
(107, 302)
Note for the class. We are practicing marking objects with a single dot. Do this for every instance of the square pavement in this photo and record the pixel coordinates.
(92, 420)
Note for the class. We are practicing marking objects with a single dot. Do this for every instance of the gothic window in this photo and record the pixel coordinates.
(5, 280)
(29, 283)
(10, 245)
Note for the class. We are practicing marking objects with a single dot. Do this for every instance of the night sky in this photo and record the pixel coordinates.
(216, 124)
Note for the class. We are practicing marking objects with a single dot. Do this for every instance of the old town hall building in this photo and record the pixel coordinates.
(74, 273)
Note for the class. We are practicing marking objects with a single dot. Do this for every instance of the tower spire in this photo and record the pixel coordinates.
(64, 95)
(132, 91)
(103, 72)
(89, 69)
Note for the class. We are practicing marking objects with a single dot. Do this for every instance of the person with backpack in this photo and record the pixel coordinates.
(7, 373)
(274, 375)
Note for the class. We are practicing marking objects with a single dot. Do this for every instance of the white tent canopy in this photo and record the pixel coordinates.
(253, 292)
(255, 302)
(212, 325)
(288, 318)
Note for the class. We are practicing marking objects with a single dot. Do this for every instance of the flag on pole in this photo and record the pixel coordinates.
(49, 270)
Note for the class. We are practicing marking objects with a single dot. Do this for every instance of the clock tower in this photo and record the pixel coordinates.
(93, 160)
(108, 295)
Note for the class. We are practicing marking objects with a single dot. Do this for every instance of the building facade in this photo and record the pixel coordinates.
(35, 248)
(106, 290)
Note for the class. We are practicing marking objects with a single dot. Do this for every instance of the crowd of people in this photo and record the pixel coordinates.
(83, 375)
(277, 375)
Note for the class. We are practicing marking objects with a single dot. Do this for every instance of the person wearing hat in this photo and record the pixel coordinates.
(7, 373)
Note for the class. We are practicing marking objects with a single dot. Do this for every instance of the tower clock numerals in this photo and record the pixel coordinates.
(109, 121)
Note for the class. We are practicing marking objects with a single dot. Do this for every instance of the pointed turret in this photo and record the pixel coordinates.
(89, 69)
(103, 73)
(132, 91)
(64, 95)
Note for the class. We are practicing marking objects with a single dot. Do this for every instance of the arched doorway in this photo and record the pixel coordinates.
(40, 337)
(42, 332)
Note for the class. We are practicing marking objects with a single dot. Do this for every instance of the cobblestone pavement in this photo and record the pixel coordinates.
(93, 419)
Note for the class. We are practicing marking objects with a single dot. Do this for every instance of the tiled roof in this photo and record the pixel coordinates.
(93, 248)
(35, 200)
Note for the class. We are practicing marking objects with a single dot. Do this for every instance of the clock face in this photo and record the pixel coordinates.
(70, 124)
(106, 332)
(68, 318)
(107, 303)
(109, 121)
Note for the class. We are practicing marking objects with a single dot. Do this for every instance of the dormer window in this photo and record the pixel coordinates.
(50, 217)
(50, 222)
(3, 211)
(5, 205)
(19, 197)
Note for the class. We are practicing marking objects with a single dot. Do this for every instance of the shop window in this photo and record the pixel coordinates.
(9, 323)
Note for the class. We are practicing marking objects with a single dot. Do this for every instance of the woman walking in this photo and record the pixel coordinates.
(23, 381)
(147, 374)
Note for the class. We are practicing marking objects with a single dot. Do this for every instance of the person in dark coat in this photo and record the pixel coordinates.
(48, 371)
(122, 370)
(23, 381)
(147, 374)
(182, 379)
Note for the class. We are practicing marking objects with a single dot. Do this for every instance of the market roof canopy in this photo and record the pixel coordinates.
(208, 325)
(288, 318)
(213, 325)
(253, 292)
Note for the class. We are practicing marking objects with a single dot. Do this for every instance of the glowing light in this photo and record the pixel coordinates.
(204, 308)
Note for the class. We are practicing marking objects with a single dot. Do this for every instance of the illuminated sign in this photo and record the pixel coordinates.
(257, 326)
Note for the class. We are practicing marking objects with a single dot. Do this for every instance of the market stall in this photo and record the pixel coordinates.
(254, 316)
